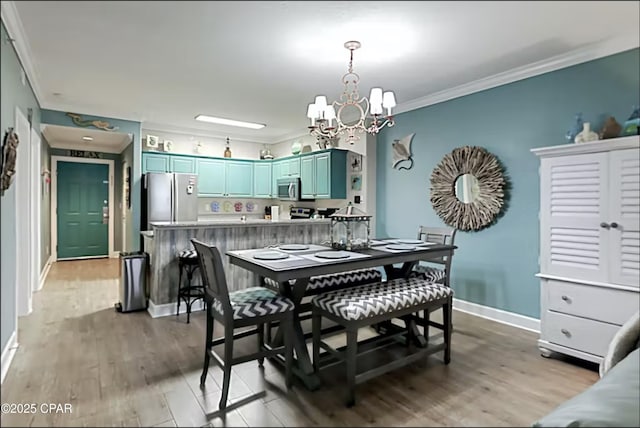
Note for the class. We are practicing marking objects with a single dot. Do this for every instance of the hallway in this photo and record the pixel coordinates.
(132, 370)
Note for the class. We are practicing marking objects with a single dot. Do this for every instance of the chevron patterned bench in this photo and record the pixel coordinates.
(364, 305)
(430, 274)
(335, 281)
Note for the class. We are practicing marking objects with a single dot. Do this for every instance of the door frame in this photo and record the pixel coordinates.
(24, 238)
(125, 208)
(54, 201)
(36, 217)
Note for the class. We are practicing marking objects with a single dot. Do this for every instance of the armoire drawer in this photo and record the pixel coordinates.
(578, 333)
(598, 303)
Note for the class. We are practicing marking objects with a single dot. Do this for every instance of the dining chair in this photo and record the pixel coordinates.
(253, 306)
(438, 235)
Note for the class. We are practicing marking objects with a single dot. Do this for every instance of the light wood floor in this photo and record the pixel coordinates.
(132, 370)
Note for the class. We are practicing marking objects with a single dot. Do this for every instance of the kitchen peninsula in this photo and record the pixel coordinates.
(169, 238)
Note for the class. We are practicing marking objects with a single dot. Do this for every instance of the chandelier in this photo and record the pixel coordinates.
(351, 113)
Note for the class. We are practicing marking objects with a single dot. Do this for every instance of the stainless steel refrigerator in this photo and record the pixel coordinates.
(169, 197)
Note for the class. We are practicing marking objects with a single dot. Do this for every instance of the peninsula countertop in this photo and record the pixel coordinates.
(238, 222)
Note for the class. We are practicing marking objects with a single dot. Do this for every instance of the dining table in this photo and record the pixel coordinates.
(300, 262)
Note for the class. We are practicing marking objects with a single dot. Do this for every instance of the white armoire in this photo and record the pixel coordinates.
(589, 244)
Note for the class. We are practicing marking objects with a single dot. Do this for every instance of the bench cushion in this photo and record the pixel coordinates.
(428, 273)
(336, 281)
(255, 302)
(370, 300)
(188, 254)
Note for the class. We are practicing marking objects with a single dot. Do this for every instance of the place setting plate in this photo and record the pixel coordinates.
(332, 255)
(410, 241)
(270, 255)
(400, 247)
(293, 247)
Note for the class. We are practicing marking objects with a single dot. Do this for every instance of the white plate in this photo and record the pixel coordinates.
(294, 247)
(333, 255)
(270, 255)
(409, 241)
(400, 247)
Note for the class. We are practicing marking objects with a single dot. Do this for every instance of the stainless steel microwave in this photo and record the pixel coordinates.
(289, 189)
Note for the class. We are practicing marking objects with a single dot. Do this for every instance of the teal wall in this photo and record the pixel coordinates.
(55, 117)
(13, 94)
(496, 266)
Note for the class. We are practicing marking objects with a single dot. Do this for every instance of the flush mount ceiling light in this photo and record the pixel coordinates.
(87, 138)
(351, 113)
(230, 122)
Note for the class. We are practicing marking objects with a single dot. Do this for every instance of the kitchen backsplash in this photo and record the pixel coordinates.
(230, 208)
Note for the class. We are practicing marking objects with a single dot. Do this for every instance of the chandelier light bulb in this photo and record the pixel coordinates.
(323, 113)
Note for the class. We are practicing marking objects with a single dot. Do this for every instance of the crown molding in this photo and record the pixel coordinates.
(577, 56)
(171, 129)
(14, 27)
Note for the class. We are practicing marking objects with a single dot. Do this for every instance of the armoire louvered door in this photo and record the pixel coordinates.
(624, 217)
(573, 207)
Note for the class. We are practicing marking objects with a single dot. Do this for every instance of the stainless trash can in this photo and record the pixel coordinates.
(133, 282)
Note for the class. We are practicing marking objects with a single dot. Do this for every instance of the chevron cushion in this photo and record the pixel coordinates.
(188, 254)
(366, 301)
(335, 281)
(427, 273)
(255, 302)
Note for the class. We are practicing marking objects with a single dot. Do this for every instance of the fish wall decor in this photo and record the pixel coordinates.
(402, 152)
(100, 124)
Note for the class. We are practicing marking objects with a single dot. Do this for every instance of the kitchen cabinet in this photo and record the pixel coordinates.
(155, 162)
(324, 175)
(262, 182)
(183, 164)
(211, 177)
(239, 178)
(589, 240)
(284, 168)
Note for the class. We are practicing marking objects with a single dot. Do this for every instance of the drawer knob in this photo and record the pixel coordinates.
(566, 332)
(565, 298)
(614, 225)
(604, 225)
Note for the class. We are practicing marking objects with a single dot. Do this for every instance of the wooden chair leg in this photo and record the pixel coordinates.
(352, 354)
(425, 324)
(447, 312)
(228, 360)
(261, 348)
(179, 288)
(288, 349)
(316, 327)
(207, 349)
(268, 327)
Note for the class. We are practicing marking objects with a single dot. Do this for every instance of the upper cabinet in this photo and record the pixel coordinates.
(262, 181)
(155, 162)
(239, 178)
(183, 164)
(324, 175)
(211, 177)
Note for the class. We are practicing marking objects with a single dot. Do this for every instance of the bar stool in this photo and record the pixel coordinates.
(190, 293)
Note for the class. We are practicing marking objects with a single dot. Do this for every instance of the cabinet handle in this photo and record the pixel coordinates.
(614, 225)
(604, 225)
(565, 298)
(566, 332)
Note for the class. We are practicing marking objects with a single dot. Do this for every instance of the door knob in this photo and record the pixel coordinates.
(604, 225)
(614, 225)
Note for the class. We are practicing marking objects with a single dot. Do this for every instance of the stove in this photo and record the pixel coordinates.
(298, 213)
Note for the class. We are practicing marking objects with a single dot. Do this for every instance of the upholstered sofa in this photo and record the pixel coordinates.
(614, 400)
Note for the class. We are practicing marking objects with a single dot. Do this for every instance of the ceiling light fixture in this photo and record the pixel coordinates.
(87, 138)
(230, 122)
(351, 113)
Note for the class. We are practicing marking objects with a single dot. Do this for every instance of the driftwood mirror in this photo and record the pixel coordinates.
(467, 188)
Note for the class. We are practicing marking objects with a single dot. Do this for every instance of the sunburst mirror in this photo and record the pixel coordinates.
(467, 188)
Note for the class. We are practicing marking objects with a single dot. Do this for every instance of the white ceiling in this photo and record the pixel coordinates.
(67, 137)
(163, 63)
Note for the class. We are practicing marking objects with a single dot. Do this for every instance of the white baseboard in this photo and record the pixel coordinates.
(157, 311)
(498, 315)
(8, 353)
(114, 254)
(44, 273)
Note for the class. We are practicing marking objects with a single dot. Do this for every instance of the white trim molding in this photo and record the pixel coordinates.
(54, 201)
(14, 27)
(44, 273)
(577, 56)
(621, 143)
(157, 311)
(8, 353)
(498, 315)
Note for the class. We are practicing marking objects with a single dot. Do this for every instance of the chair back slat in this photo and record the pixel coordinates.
(439, 235)
(213, 275)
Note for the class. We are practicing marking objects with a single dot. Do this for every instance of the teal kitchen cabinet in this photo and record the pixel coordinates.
(262, 182)
(284, 168)
(211, 177)
(324, 175)
(155, 162)
(183, 164)
(239, 179)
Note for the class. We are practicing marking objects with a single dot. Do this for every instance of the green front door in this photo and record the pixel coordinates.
(83, 192)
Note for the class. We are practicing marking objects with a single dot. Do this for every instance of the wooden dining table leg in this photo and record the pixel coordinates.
(303, 367)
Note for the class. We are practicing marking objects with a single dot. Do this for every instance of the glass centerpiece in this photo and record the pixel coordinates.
(350, 229)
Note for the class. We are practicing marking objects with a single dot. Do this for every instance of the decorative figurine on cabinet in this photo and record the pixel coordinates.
(632, 125)
(575, 129)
